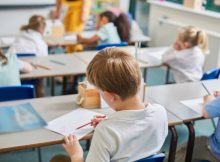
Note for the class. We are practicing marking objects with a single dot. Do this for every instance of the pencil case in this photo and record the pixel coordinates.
(88, 97)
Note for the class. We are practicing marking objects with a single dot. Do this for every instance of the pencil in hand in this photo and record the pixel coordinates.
(91, 123)
(208, 92)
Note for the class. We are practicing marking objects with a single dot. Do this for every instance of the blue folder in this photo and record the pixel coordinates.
(19, 118)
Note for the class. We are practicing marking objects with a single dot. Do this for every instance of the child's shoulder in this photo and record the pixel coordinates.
(156, 108)
(196, 49)
(107, 26)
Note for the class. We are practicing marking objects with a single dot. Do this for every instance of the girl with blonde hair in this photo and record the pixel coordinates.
(187, 55)
(31, 38)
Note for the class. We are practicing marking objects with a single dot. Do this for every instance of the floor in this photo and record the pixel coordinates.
(156, 76)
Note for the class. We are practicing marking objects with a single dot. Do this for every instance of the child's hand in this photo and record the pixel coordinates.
(83, 17)
(208, 98)
(79, 38)
(73, 148)
(216, 93)
(176, 46)
(97, 119)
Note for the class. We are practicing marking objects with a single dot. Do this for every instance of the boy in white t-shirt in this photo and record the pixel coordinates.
(136, 130)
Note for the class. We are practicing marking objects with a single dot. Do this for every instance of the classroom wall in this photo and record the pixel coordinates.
(14, 13)
(207, 20)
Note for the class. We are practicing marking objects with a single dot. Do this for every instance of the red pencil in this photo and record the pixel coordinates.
(89, 122)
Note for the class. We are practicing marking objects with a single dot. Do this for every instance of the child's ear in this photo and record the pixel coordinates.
(109, 96)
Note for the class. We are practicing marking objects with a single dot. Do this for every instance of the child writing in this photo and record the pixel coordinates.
(134, 123)
(111, 29)
(186, 57)
(206, 148)
(31, 38)
(10, 68)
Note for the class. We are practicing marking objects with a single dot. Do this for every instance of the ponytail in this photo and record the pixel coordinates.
(3, 58)
(121, 22)
(202, 41)
(123, 27)
(25, 27)
(35, 22)
(195, 37)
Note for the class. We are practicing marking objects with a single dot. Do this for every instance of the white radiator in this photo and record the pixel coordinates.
(167, 30)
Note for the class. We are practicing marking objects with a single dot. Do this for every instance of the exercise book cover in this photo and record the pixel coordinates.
(19, 118)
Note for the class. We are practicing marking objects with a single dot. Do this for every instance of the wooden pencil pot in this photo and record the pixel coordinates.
(88, 97)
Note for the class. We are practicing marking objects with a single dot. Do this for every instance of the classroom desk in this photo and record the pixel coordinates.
(49, 108)
(76, 64)
(70, 65)
(6, 41)
(147, 57)
(170, 96)
(70, 38)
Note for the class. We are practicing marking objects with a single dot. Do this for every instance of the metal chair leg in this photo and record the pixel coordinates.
(191, 141)
(39, 154)
(173, 144)
(167, 75)
(52, 86)
(213, 123)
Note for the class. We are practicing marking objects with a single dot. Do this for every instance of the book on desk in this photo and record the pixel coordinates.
(19, 118)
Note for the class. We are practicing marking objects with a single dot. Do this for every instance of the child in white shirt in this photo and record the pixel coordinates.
(186, 56)
(136, 130)
(31, 38)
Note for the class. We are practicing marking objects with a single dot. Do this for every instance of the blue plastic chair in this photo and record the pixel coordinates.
(32, 81)
(211, 74)
(9, 93)
(154, 158)
(25, 55)
(104, 45)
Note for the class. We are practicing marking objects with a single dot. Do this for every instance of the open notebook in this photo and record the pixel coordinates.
(194, 104)
(68, 123)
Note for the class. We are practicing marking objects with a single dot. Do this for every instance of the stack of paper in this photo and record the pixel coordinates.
(68, 124)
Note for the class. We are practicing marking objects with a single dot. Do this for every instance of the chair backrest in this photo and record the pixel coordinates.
(9, 93)
(104, 45)
(25, 54)
(154, 158)
(211, 74)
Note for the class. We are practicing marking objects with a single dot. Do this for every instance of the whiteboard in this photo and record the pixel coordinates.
(26, 3)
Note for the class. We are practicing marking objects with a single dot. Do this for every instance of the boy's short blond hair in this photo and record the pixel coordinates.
(115, 71)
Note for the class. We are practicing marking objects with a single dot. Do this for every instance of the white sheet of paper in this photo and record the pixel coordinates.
(68, 123)
(158, 53)
(88, 34)
(70, 38)
(194, 104)
(152, 54)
